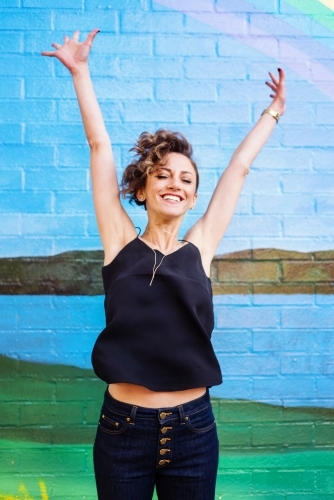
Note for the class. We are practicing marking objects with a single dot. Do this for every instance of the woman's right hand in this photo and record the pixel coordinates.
(73, 53)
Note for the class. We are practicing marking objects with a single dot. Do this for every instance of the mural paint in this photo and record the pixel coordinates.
(198, 67)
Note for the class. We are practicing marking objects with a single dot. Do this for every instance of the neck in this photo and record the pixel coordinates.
(161, 236)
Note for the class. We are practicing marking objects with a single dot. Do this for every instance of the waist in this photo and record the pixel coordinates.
(187, 407)
(138, 395)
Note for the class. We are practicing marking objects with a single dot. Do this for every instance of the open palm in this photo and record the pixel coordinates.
(73, 53)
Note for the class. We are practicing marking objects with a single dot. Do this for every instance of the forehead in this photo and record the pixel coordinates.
(178, 162)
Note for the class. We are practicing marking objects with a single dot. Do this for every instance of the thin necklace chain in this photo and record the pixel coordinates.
(155, 266)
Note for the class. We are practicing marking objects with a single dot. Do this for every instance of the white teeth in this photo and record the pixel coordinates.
(171, 197)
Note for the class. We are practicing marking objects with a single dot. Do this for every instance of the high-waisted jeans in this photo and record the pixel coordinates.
(174, 449)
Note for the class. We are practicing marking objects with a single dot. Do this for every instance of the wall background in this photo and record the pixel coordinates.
(198, 67)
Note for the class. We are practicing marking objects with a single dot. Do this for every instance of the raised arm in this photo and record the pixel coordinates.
(209, 230)
(115, 227)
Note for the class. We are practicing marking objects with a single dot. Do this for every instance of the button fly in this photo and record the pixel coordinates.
(164, 462)
(164, 414)
(163, 451)
(165, 429)
(164, 440)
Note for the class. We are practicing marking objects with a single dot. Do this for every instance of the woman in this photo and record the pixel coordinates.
(156, 426)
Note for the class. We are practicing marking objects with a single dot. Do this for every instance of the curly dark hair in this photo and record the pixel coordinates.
(151, 150)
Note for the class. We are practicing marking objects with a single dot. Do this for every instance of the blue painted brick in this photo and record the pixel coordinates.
(283, 340)
(10, 4)
(249, 364)
(10, 42)
(74, 203)
(325, 387)
(18, 65)
(26, 155)
(10, 88)
(25, 110)
(230, 47)
(233, 388)
(322, 159)
(243, 225)
(49, 88)
(298, 90)
(229, 245)
(287, 387)
(184, 46)
(278, 26)
(325, 205)
(55, 133)
(148, 67)
(92, 227)
(50, 4)
(10, 133)
(250, 6)
(84, 21)
(304, 317)
(25, 202)
(241, 317)
(185, 5)
(307, 364)
(25, 20)
(192, 25)
(107, 88)
(312, 136)
(11, 180)
(232, 135)
(226, 22)
(19, 246)
(36, 41)
(56, 179)
(200, 134)
(123, 45)
(73, 156)
(113, 4)
(233, 341)
(135, 22)
(232, 299)
(307, 226)
(325, 113)
(283, 300)
(283, 204)
(67, 244)
(183, 90)
(295, 116)
(284, 159)
(219, 113)
(9, 224)
(242, 91)
(308, 183)
(53, 225)
(139, 111)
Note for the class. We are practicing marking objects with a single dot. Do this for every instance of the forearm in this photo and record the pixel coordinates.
(91, 114)
(250, 147)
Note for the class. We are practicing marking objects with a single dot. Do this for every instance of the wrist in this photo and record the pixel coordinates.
(79, 70)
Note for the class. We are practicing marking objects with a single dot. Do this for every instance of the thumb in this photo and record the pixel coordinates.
(90, 38)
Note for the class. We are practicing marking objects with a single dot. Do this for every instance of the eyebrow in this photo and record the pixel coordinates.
(182, 171)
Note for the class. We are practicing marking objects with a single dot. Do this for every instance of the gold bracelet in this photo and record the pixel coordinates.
(273, 113)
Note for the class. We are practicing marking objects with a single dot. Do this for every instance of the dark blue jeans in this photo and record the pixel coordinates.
(175, 449)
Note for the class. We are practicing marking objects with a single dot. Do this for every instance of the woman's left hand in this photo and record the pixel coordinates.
(279, 93)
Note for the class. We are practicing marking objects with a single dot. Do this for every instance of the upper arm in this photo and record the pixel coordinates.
(211, 227)
(115, 227)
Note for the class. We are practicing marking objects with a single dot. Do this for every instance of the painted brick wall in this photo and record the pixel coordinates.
(196, 66)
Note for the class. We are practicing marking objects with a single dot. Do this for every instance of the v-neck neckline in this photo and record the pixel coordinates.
(157, 250)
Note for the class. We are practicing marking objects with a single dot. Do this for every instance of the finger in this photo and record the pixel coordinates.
(50, 54)
(66, 39)
(273, 95)
(76, 35)
(90, 38)
(272, 86)
(281, 75)
(56, 45)
(273, 77)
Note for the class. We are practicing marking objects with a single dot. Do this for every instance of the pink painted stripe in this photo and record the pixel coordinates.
(235, 26)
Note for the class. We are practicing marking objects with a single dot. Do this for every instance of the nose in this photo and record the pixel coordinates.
(174, 183)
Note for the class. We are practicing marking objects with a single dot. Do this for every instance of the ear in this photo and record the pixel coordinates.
(140, 195)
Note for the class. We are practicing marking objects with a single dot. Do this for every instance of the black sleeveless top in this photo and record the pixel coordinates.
(157, 336)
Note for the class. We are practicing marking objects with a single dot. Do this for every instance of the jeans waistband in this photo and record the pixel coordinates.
(162, 414)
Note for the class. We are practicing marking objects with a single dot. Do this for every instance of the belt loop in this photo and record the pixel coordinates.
(181, 413)
(133, 414)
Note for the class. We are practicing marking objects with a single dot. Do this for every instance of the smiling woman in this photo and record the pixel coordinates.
(156, 426)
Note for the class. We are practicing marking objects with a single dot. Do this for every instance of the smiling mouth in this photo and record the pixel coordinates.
(171, 197)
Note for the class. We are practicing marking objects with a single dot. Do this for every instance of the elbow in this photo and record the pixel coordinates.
(241, 166)
(97, 142)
